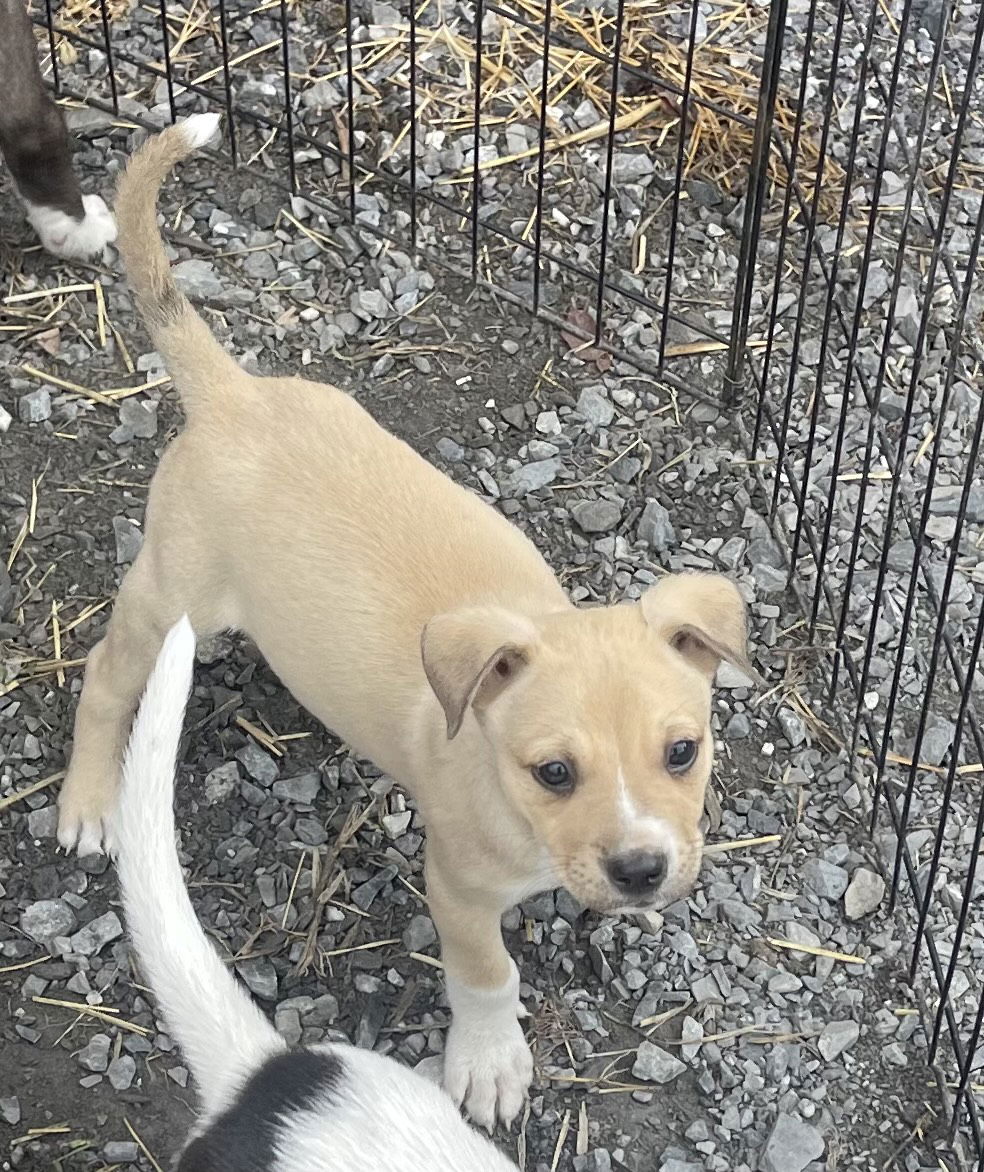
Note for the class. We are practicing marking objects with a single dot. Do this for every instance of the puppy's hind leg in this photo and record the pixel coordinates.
(154, 595)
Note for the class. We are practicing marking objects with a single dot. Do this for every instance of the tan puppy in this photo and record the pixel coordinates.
(545, 745)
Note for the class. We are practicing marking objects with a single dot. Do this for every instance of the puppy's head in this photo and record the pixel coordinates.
(599, 723)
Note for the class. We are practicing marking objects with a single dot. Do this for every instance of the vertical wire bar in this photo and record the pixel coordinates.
(754, 198)
(909, 608)
(609, 162)
(288, 97)
(784, 227)
(166, 48)
(350, 107)
(842, 218)
(678, 180)
(861, 285)
(107, 42)
(811, 231)
(951, 775)
(227, 82)
(904, 226)
(52, 47)
(413, 125)
(538, 220)
(476, 184)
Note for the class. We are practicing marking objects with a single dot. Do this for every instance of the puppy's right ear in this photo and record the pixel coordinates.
(470, 656)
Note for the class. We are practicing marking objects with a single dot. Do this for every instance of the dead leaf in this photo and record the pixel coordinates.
(50, 341)
(584, 348)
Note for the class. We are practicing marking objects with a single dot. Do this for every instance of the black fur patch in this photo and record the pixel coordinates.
(243, 1138)
(33, 137)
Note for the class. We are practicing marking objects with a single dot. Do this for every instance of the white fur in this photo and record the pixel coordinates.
(643, 831)
(199, 128)
(487, 1061)
(383, 1117)
(73, 239)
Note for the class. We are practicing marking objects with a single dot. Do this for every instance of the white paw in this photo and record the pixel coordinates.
(488, 1074)
(488, 1066)
(87, 834)
(72, 239)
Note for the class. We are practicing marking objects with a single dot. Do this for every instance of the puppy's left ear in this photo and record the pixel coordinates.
(703, 617)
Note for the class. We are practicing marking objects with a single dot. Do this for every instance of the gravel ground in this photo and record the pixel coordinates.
(695, 1040)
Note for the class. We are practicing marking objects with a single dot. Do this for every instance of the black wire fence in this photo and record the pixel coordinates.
(774, 206)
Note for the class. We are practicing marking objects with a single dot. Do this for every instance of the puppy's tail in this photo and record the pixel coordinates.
(222, 1035)
(201, 369)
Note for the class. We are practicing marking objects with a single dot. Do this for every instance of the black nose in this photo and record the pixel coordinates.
(637, 872)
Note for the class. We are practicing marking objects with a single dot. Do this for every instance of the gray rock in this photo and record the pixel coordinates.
(304, 788)
(865, 893)
(198, 279)
(793, 728)
(95, 1056)
(532, 477)
(731, 553)
(448, 450)
(35, 406)
(6, 419)
(370, 303)
(837, 1036)
(43, 823)
(629, 167)
(140, 418)
(259, 765)
(10, 1110)
(122, 1072)
(365, 894)
(945, 501)
(792, 1144)
(692, 1035)
(259, 976)
(654, 1064)
(826, 879)
(222, 782)
(90, 940)
(419, 934)
(129, 540)
(47, 918)
(6, 591)
(595, 408)
(768, 579)
(121, 1151)
(597, 516)
(655, 527)
(729, 676)
(739, 727)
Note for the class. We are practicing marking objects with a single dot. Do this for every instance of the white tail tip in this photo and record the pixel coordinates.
(199, 128)
(180, 639)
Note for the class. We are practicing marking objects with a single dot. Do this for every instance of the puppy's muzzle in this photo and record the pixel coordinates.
(637, 874)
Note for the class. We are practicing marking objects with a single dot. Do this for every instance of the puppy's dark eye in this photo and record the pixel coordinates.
(555, 775)
(680, 756)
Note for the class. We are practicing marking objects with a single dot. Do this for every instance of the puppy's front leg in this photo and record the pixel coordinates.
(487, 1063)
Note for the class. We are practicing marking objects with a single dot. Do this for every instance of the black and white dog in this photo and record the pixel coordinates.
(326, 1108)
(35, 145)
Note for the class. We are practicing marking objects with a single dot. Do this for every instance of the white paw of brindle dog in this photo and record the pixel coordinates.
(35, 145)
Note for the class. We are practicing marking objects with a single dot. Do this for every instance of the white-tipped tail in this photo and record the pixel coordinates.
(222, 1035)
(199, 128)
